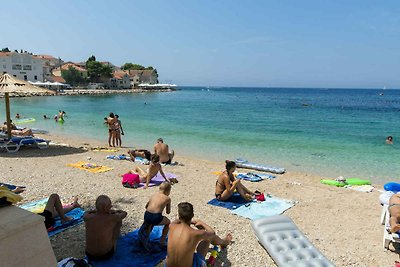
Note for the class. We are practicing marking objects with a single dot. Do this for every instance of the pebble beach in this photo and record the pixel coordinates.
(343, 224)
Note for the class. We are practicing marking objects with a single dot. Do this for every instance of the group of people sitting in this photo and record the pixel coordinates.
(114, 130)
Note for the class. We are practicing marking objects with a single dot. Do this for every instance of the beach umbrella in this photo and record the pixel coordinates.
(9, 84)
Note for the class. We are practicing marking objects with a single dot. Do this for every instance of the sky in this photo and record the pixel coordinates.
(261, 43)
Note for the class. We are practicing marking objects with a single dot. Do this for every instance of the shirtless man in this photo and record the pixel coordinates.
(154, 168)
(103, 227)
(394, 210)
(162, 150)
(153, 215)
(184, 240)
(111, 120)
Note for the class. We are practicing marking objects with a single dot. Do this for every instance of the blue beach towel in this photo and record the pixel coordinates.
(235, 201)
(77, 218)
(271, 206)
(130, 253)
(254, 177)
(11, 186)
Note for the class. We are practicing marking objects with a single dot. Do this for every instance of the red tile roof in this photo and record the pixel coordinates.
(57, 79)
(3, 54)
(78, 68)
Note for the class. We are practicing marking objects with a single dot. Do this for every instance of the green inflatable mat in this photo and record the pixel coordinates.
(349, 181)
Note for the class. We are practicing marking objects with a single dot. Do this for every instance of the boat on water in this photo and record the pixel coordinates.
(384, 88)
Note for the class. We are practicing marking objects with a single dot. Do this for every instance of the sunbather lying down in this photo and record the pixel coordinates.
(54, 208)
(394, 210)
(15, 131)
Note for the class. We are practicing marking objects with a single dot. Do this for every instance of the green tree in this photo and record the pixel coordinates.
(72, 76)
(149, 68)
(132, 66)
(97, 71)
(5, 50)
(92, 58)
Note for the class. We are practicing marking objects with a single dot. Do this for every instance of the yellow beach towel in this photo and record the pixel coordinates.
(105, 149)
(90, 167)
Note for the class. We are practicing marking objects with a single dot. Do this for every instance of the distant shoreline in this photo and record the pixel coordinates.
(73, 92)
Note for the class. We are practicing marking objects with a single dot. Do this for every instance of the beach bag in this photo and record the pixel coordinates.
(130, 180)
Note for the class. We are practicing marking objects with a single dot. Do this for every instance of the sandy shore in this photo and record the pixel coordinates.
(343, 224)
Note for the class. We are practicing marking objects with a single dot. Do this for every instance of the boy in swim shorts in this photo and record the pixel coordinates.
(153, 215)
(188, 246)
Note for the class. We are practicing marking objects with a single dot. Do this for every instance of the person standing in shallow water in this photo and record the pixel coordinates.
(111, 120)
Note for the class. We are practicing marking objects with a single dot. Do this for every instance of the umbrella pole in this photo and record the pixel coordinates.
(7, 97)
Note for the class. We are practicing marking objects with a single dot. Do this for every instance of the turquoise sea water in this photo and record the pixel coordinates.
(330, 132)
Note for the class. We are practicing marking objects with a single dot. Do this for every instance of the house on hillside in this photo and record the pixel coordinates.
(49, 64)
(142, 76)
(24, 66)
(120, 80)
(66, 66)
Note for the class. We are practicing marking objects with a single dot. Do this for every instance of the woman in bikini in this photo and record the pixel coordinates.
(394, 211)
(227, 184)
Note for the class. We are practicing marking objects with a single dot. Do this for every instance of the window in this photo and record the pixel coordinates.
(16, 67)
(27, 67)
(4, 72)
(15, 76)
(35, 77)
(25, 77)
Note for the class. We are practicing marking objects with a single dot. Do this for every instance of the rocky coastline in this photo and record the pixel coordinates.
(72, 92)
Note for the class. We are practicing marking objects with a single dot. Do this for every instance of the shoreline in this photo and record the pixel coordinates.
(336, 220)
(73, 92)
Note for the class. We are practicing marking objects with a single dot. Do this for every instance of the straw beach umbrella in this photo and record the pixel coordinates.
(9, 84)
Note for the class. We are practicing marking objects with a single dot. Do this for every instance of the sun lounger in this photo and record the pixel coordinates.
(16, 142)
(388, 237)
(286, 244)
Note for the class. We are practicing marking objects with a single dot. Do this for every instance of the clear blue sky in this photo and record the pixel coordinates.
(220, 42)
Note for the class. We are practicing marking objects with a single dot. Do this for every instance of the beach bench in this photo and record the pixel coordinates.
(286, 244)
(388, 237)
(15, 143)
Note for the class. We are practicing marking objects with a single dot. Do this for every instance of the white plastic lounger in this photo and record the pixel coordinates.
(388, 237)
(286, 244)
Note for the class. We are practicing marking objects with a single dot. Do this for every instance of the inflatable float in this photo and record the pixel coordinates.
(25, 120)
(392, 186)
(242, 163)
(348, 181)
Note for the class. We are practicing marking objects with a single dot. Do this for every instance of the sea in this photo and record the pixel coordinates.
(327, 132)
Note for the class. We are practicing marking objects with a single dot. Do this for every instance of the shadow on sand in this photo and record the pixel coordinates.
(51, 151)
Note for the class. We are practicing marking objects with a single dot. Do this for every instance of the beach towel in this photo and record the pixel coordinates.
(38, 207)
(90, 167)
(142, 161)
(254, 177)
(11, 186)
(158, 179)
(361, 188)
(104, 149)
(250, 176)
(234, 202)
(130, 253)
(270, 207)
(118, 157)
